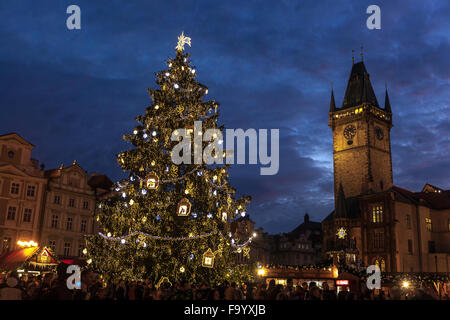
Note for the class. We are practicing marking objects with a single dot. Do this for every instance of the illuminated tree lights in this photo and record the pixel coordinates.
(169, 221)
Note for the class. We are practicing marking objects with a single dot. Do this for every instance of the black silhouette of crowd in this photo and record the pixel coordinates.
(51, 286)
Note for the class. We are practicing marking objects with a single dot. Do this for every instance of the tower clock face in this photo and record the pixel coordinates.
(379, 133)
(349, 132)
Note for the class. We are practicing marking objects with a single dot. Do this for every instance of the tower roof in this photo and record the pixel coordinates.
(341, 208)
(359, 89)
(332, 103)
(387, 104)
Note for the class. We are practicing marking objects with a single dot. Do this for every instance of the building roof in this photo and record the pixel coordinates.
(100, 181)
(352, 210)
(387, 103)
(54, 173)
(17, 137)
(332, 102)
(15, 259)
(359, 89)
(305, 226)
(433, 200)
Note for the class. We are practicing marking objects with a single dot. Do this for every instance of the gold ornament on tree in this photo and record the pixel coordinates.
(208, 259)
(224, 216)
(184, 208)
(152, 180)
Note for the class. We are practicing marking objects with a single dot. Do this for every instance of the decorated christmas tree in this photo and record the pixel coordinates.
(168, 220)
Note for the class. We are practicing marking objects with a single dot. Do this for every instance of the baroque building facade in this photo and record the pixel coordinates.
(54, 208)
(374, 221)
(22, 189)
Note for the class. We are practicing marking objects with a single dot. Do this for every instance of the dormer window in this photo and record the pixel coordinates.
(11, 154)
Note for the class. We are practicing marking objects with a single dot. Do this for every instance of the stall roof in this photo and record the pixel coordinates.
(14, 259)
(17, 258)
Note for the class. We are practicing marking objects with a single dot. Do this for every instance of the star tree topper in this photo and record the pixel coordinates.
(341, 233)
(182, 40)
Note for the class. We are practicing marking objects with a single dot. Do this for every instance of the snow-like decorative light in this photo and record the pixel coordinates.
(176, 86)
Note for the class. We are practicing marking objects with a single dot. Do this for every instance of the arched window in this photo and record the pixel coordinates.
(377, 214)
(380, 262)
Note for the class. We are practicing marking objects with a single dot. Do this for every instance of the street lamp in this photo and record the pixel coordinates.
(405, 284)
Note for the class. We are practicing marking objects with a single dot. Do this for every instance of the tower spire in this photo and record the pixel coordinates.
(332, 103)
(387, 104)
(362, 54)
(340, 208)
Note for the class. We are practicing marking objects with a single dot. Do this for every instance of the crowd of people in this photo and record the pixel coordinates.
(54, 287)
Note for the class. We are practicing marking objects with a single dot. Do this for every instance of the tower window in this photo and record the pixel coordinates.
(428, 223)
(431, 247)
(410, 249)
(378, 242)
(381, 264)
(377, 214)
(408, 221)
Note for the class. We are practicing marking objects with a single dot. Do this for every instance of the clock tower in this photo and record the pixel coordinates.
(361, 138)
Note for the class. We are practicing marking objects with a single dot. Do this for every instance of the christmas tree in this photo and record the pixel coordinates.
(171, 220)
